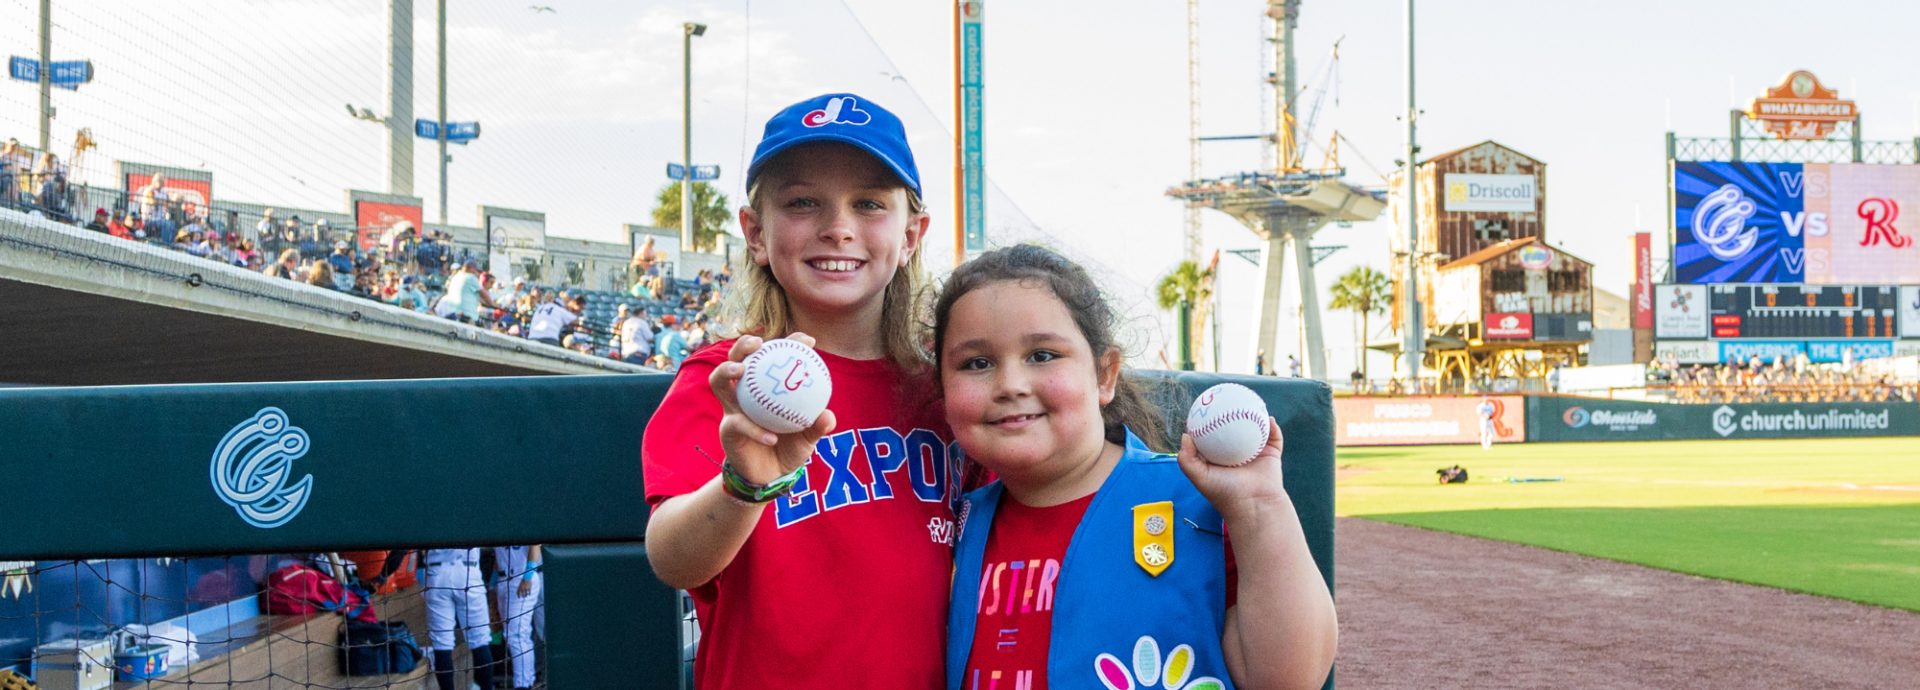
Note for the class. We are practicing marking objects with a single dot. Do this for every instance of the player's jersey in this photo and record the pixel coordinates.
(843, 583)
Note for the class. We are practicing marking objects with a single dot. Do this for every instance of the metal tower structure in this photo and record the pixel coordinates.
(1193, 125)
(1286, 206)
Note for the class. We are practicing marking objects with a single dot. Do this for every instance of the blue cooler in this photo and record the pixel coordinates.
(141, 662)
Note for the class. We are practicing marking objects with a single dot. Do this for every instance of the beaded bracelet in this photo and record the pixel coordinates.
(740, 489)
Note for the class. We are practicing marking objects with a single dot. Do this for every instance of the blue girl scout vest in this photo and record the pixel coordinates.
(1141, 597)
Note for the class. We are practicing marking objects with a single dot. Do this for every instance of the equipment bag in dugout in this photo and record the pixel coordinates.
(375, 649)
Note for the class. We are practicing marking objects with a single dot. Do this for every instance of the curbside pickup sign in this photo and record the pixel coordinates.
(1577, 419)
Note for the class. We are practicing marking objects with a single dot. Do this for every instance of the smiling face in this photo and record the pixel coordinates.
(833, 225)
(1023, 389)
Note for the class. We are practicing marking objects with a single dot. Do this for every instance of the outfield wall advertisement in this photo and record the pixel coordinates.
(1367, 421)
(1821, 223)
(1582, 419)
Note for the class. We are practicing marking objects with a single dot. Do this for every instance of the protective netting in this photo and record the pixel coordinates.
(275, 621)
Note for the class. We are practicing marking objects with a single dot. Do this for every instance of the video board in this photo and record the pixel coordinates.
(1819, 223)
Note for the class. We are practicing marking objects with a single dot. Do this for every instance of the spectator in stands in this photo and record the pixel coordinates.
(118, 227)
(508, 296)
(551, 320)
(159, 226)
(642, 288)
(184, 240)
(101, 221)
(672, 341)
(645, 258)
(269, 233)
(398, 240)
(431, 257)
(308, 244)
(13, 165)
(153, 199)
(50, 184)
(247, 255)
(341, 263)
(725, 277)
(465, 298)
(194, 226)
(141, 231)
(320, 274)
(697, 334)
(636, 337)
(211, 246)
(410, 295)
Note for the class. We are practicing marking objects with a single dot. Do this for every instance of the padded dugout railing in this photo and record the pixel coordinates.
(400, 464)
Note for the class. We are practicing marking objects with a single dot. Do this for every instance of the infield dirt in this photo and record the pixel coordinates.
(1426, 609)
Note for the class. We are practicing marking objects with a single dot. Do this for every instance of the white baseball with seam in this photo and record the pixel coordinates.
(1228, 424)
(785, 386)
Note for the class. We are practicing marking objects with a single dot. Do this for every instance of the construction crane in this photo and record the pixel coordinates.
(1329, 77)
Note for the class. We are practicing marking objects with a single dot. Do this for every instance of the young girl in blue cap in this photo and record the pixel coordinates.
(816, 559)
(1094, 562)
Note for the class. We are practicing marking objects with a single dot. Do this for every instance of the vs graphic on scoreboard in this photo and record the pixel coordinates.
(1814, 223)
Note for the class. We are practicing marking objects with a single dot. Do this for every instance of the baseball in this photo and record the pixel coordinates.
(785, 386)
(1228, 424)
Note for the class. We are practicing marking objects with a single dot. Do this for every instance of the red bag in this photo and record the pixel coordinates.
(300, 590)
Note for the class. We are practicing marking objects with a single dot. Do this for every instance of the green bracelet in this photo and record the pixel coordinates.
(746, 491)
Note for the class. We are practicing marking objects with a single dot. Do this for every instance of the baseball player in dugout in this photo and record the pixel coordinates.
(456, 594)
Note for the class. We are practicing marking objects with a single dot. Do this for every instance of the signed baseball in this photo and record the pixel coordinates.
(785, 386)
(1228, 424)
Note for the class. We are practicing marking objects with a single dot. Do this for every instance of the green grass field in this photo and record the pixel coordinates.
(1839, 518)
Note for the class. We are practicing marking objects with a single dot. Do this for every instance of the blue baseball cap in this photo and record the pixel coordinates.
(844, 118)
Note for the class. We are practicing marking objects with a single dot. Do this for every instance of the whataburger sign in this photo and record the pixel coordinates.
(1799, 107)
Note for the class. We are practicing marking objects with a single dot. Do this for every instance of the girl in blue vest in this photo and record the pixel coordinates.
(1093, 561)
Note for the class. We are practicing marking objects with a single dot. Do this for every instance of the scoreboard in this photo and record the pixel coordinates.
(1796, 310)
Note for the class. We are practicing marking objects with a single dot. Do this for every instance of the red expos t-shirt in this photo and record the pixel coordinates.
(844, 582)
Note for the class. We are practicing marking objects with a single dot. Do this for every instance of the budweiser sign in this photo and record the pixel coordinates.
(1801, 108)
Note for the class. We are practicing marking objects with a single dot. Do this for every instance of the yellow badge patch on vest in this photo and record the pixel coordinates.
(1153, 536)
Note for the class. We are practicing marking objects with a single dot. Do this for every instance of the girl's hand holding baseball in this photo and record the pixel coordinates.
(1240, 489)
(760, 455)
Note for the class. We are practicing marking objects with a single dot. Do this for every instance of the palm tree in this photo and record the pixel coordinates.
(710, 215)
(1185, 286)
(1365, 291)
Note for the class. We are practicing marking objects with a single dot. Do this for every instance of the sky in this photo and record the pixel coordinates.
(1085, 107)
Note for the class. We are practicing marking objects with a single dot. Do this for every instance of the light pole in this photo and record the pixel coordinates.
(1412, 349)
(46, 73)
(689, 30)
(441, 131)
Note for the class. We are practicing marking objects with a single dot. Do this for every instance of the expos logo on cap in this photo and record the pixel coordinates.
(841, 110)
(841, 118)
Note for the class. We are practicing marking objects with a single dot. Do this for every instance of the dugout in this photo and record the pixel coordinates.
(67, 446)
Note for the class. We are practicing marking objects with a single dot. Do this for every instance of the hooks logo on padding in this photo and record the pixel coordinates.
(251, 466)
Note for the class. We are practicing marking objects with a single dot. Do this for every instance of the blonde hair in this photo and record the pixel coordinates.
(759, 306)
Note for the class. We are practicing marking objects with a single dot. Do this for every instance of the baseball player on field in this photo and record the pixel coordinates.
(1486, 410)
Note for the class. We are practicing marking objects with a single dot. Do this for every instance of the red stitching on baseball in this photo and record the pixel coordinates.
(1229, 416)
(766, 402)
